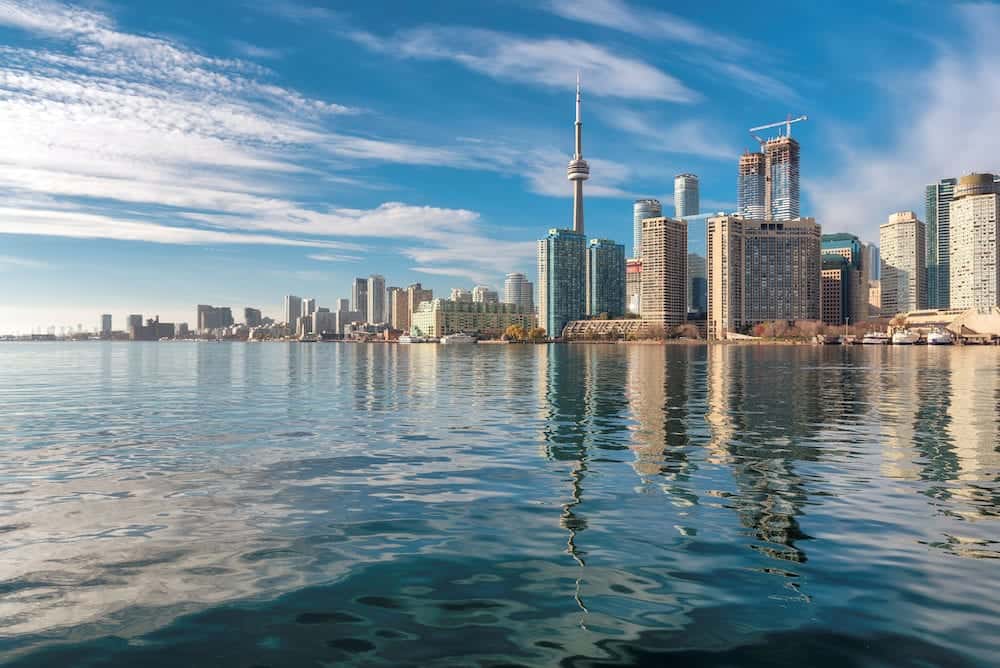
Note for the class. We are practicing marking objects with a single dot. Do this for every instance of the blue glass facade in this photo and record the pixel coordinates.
(605, 278)
(562, 269)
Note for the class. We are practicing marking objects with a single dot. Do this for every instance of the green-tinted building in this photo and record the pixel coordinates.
(605, 278)
(562, 279)
(938, 226)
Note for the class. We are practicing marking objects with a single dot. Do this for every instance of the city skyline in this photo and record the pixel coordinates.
(287, 177)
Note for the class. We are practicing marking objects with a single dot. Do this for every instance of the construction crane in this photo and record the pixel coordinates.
(787, 123)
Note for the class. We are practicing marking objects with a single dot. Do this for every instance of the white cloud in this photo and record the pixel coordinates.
(14, 262)
(946, 127)
(335, 258)
(550, 62)
(692, 136)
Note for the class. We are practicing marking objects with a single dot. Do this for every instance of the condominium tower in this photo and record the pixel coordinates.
(518, 290)
(856, 275)
(359, 298)
(605, 278)
(664, 272)
(642, 209)
(902, 241)
(975, 271)
(106, 325)
(561, 279)
(750, 184)
(768, 181)
(376, 299)
(938, 224)
(483, 295)
(686, 200)
(290, 313)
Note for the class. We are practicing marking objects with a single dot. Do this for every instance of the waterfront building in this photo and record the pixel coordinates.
(605, 292)
(182, 330)
(292, 310)
(415, 295)
(750, 185)
(483, 295)
(106, 325)
(641, 210)
(633, 285)
(214, 317)
(697, 284)
(518, 290)
(664, 272)
(835, 286)
(359, 298)
(440, 317)
(376, 299)
(578, 170)
(562, 278)
(938, 227)
(322, 321)
(153, 330)
(857, 274)
(686, 199)
(974, 269)
(460, 295)
(761, 271)
(399, 311)
(342, 304)
(904, 275)
(252, 317)
(308, 307)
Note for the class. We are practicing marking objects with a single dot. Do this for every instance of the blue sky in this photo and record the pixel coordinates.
(158, 155)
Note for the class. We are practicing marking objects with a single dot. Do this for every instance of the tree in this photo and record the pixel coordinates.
(537, 334)
(515, 333)
(687, 331)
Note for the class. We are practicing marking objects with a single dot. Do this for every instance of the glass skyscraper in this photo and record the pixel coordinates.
(605, 278)
(686, 199)
(642, 209)
(938, 224)
(768, 182)
(562, 274)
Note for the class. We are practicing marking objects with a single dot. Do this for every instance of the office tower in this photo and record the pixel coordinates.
(562, 274)
(686, 200)
(291, 312)
(518, 290)
(133, 323)
(761, 271)
(359, 298)
(483, 295)
(902, 241)
(214, 317)
(376, 298)
(975, 272)
(460, 295)
(835, 280)
(106, 325)
(342, 304)
(633, 285)
(252, 317)
(322, 321)
(182, 329)
(875, 299)
(605, 291)
(415, 295)
(440, 317)
(399, 313)
(874, 260)
(641, 210)
(938, 223)
(308, 307)
(664, 272)
(697, 284)
(781, 196)
(578, 170)
(856, 277)
(750, 186)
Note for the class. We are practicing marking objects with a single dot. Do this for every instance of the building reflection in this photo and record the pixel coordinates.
(975, 429)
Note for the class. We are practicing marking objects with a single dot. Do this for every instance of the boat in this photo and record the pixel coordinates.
(407, 338)
(940, 337)
(875, 338)
(308, 338)
(458, 337)
(904, 337)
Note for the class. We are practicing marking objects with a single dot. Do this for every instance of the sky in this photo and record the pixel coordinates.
(154, 156)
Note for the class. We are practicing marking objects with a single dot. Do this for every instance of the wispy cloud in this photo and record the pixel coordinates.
(256, 52)
(946, 127)
(691, 136)
(335, 258)
(549, 62)
(14, 262)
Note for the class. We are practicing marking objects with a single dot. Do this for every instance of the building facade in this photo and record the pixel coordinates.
(697, 284)
(641, 210)
(398, 307)
(857, 274)
(686, 197)
(252, 317)
(761, 271)
(518, 290)
(633, 285)
(904, 275)
(937, 219)
(483, 295)
(460, 295)
(359, 298)
(292, 309)
(106, 325)
(214, 317)
(376, 299)
(415, 295)
(664, 272)
(750, 185)
(974, 270)
(781, 196)
(835, 280)
(440, 317)
(562, 277)
(605, 278)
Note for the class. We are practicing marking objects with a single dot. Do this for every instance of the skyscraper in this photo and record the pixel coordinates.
(856, 275)
(483, 295)
(633, 285)
(415, 295)
(642, 209)
(308, 307)
(133, 323)
(835, 288)
(605, 278)
(292, 311)
(697, 284)
(578, 170)
(251, 316)
(761, 271)
(561, 279)
(518, 290)
(750, 186)
(664, 272)
(781, 196)
(106, 325)
(938, 224)
(686, 200)
(376, 298)
(975, 232)
(904, 272)
(399, 314)
(214, 317)
(359, 298)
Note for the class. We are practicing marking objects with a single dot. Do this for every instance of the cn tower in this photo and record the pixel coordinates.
(578, 170)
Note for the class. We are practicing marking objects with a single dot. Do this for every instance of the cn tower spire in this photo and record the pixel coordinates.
(578, 170)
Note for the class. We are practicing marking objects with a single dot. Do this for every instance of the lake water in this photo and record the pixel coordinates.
(206, 504)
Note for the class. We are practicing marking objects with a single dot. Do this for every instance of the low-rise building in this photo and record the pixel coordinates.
(440, 317)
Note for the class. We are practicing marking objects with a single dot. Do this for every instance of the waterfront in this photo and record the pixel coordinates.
(287, 504)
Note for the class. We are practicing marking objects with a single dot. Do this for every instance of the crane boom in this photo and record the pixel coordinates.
(787, 123)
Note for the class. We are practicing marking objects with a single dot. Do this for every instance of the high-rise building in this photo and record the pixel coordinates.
(308, 307)
(761, 271)
(578, 170)
(641, 210)
(750, 185)
(106, 325)
(518, 290)
(343, 304)
(359, 298)
(291, 312)
(633, 285)
(483, 295)
(781, 196)
(460, 295)
(214, 317)
(874, 261)
(902, 242)
(605, 278)
(856, 275)
(133, 323)
(697, 284)
(875, 299)
(975, 232)
(415, 295)
(252, 317)
(835, 280)
(376, 299)
(686, 200)
(562, 278)
(399, 312)
(664, 272)
(938, 224)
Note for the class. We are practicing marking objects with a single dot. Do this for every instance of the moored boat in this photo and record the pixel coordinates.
(407, 338)
(940, 337)
(458, 337)
(904, 337)
(875, 338)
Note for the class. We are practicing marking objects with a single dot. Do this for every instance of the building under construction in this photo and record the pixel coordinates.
(768, 187)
